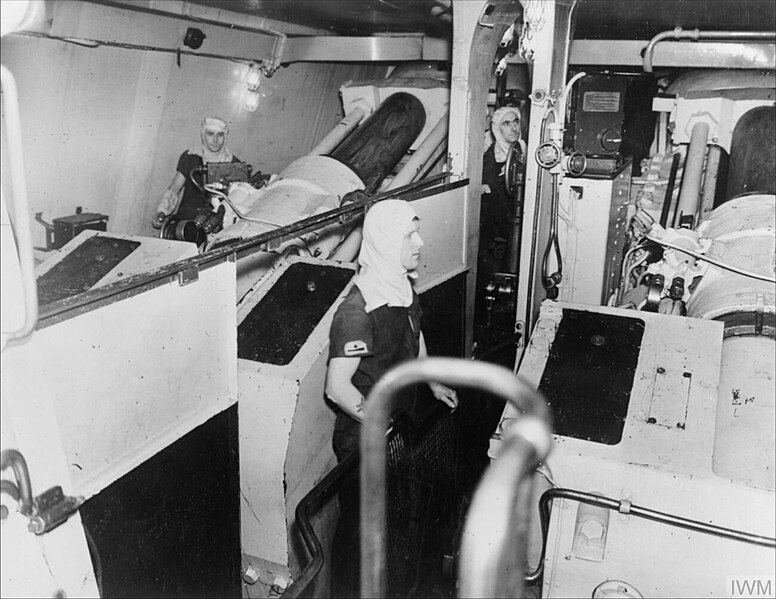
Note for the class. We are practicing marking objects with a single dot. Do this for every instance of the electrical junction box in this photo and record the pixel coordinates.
(634, 401)
(66, 228)
(597, 113)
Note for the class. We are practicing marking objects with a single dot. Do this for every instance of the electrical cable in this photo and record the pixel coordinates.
(632, 267)
(239, 214)
(89, 43)
(551, 281)
(716, 263)
(193, 179)
(623, 280)
(567, 91)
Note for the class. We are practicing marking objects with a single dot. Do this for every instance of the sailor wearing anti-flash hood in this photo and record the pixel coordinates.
(378, 324)
(191, 203)
(376, 327)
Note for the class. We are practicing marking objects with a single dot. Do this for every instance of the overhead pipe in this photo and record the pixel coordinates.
(340, 130)
(384, 399)
(422, 154)
(695, 34)
(689, 194)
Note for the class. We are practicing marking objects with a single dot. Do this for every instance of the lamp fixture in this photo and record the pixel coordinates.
(253, 77)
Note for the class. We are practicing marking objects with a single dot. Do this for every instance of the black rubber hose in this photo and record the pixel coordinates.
(311, 504)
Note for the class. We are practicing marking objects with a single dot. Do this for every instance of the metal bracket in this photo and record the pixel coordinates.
(188, 275)
(626, 500)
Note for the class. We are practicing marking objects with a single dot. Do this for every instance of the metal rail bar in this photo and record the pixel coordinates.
(71, 306)
(382, 402)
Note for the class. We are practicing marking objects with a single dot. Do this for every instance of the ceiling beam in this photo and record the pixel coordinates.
(382, 48)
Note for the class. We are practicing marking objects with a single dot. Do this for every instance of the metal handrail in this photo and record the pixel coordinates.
(533, 429)
(242, 247)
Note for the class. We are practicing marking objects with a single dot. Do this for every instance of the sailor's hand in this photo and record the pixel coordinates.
(158, 220)
(445, 394)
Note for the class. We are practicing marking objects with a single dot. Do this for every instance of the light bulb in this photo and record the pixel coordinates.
(253, 77)
(251, 101)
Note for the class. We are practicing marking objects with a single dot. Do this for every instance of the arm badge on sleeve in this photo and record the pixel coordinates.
(355, 348)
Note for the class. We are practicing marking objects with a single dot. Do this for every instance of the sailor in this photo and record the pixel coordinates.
(496, 203)
(192, 202)
(377, 326)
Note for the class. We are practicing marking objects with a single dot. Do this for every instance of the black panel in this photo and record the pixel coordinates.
(171, 527)
(443, 317)
(275, 330)
(589, 374)
(82, 268)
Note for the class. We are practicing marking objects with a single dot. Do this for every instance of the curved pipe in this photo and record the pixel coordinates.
(10, 489)
(11, 458)
(495, 536)
(21, 216)
(695, 35)
(382, 402)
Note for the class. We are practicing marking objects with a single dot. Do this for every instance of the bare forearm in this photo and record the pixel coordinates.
(349, 399)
